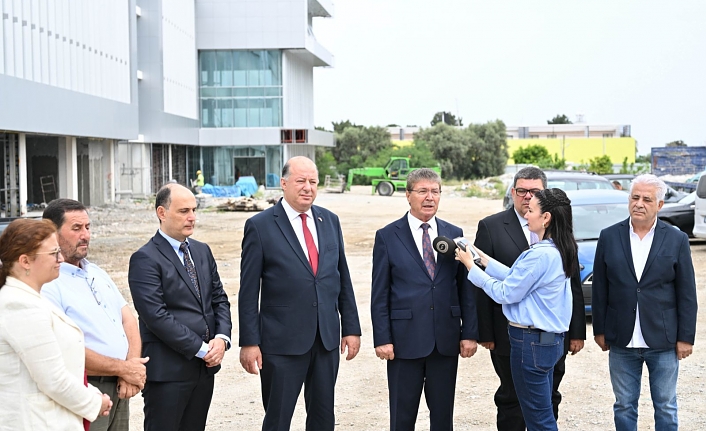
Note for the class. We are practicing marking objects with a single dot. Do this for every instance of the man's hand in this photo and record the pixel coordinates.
(468, 348)
(134, 371)
(385, 351)
(216, 350)
(684, 349)
(600, 340)
(490, 345)
(575, 346)
(251, 359)
(126, 390)
(353, 343)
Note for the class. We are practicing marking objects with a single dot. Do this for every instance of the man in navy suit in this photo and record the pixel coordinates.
(184, 316)
(644, 305)
(422, 307)
(293, 261)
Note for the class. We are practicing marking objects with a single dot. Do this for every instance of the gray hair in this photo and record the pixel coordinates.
(422, 174)
(530, 173)
(651, 180)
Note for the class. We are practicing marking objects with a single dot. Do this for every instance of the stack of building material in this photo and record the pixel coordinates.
(243, 204)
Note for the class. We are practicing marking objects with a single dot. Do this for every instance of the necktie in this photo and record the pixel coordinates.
(428, 252)
(310, 246)
(190, 267)
(534, 238)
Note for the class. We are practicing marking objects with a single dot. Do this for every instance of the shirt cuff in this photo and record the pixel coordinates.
(202, 351)
(225, 338)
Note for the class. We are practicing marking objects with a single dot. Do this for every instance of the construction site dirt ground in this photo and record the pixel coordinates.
(361, 392)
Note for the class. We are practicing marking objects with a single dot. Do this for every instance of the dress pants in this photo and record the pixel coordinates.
(119, 417)
(282, 377)
(178, 406)
(406, 378)
(509, 412)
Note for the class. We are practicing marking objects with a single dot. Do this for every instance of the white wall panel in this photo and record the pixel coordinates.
(298, 90)
(179, 58)
(79, 45)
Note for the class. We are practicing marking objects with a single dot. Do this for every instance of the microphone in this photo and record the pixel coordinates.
(448, 247)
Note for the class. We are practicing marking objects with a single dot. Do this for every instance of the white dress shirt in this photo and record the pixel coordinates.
(640, 250)
(415, 226)
(525, 227)
(296, 221)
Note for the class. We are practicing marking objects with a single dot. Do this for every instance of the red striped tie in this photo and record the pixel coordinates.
(310, 246)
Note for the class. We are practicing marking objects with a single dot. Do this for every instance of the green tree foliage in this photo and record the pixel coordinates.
(478, 151)
(538, 155)
(358, 143)
(560, 119)
(325, 163)
(634, 168)
(446, 117)
(342, 125)
(601, 165)
(678, 143)
(644, 158)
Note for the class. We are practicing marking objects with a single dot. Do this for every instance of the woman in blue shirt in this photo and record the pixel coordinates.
(536, 298)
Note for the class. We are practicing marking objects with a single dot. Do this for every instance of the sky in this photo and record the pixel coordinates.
(640, 62)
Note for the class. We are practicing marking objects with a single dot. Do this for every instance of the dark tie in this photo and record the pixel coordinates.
(428, 251)
(189, 265)
(310, 246)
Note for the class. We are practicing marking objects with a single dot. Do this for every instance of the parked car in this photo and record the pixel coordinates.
(567, 180)
(680, 214)
(700, 209)
(625, 179)
(593, 211)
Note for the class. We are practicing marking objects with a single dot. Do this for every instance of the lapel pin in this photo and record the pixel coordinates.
(320, 219)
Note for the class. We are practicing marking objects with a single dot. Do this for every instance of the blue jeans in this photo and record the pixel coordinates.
(532, 364)
(626, 376)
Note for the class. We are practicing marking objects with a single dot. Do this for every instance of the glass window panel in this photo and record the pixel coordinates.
(273, 166)
(254, 112)
(254, 69)
(207, 63)
(208, 92)
(273, 92)
(226, 107)
(273, 68)
(224, 92)
(272, 113)
(240, 68)
(240, 92)
(216, 114)
(225, 66)
(240, 113)
(207, 106)
(256, 92)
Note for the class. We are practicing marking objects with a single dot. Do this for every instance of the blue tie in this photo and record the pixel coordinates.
(428, 251)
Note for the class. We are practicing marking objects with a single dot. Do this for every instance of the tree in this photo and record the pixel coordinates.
(560, 119)
(446, 117)
(393, 125)
(601, 165)
(538, 155)
(342, 125)
(355, 144)
(644, 158)
(678, 143)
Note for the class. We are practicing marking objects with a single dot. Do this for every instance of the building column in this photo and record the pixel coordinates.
(111, 171)
(22, 157)
(68, 168)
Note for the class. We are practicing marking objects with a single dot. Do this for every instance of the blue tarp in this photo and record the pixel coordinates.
(248, 185)
(221, 191)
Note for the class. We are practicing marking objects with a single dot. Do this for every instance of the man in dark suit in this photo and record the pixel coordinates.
(293, 261)
(504, 236)
(644, 305)
(184, 316)
(422, 307)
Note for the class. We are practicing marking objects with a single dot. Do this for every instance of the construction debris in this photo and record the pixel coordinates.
(244, 204)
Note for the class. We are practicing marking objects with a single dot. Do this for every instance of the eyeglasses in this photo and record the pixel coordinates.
(56, 252)
(90, 281)
(522, 192)
(424, 192)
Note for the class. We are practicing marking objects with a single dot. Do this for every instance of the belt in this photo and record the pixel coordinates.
(530, 329)
(103, 379)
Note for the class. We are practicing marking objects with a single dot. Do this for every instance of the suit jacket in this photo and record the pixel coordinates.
(293, 302)
(666, 291)
(173, 319)
(411, 310)
(41, 370)
(501, 237)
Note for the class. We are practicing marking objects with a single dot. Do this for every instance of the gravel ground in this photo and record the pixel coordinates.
(361, 391)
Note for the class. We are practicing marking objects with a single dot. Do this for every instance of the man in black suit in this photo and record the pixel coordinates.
(294, 284)
(422, 307)
(644, 305)
(184, 316)
(504, 236)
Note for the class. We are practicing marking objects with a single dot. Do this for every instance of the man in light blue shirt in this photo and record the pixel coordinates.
(90, 298)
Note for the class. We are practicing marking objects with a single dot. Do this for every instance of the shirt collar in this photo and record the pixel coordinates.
(174, 243)
(415, 223)
(522, 220)
(652, 229)
(67, 268)
(293, 214)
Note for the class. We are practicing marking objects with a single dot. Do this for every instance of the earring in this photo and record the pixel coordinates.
(544, 226)
(27, 272)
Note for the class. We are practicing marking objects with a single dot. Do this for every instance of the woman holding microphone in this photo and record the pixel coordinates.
(536, 298)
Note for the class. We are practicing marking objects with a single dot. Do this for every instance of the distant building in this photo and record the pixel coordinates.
(99, 102)
(577, 143)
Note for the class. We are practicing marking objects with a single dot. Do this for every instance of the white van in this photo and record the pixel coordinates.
(700, 209)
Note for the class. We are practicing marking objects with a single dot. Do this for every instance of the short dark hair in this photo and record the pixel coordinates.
(164, 197)
(422, 174)
(57, 209)
(530, 173)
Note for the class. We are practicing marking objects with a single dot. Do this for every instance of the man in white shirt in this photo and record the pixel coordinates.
(644, 305)
(90, 298)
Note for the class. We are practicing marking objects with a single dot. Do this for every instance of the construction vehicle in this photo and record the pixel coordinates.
(387, 180)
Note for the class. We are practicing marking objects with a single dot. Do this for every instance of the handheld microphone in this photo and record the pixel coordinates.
(448, 247)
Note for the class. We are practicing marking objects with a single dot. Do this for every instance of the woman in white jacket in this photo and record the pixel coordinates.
(42, 352)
